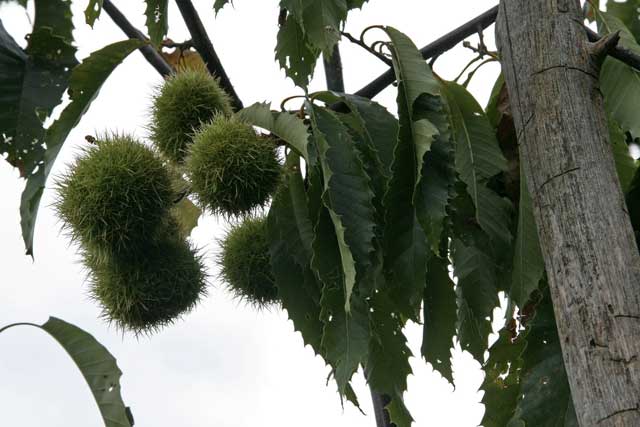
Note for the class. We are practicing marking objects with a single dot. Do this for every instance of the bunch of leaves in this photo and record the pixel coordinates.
(244, 263)
(181, 105)
(232, 170)
(364, 216)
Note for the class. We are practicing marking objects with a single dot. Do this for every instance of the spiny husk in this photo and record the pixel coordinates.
(146, 293)
(233, 171)
(244, 263)
(180, 106)
(115, 197)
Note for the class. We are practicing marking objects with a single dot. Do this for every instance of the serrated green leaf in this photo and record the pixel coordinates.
(97, 365)
(501, 384)
(620, 83)
(478, 158)
(322, 22)
(295, 282)
(92, 12)
(347, 195)
(528, 264)
(388, 363)
(625, 164)
(346, 334)
(288, 127)
(477, 296)
(219, 4)
(545, 398)
(157, 21)
(439, 318)
(32, 83)
(415, 82)
(294, 54)
(84, 84)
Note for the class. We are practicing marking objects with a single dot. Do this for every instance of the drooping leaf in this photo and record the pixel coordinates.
(478, 158)
(628, 12)
(32, 83)
(294, 54)
(294, 281)
(157, 19)
(346, 334)
(388, 363)
(84, 84)
(625, 164)
(439, 318)
(98, 367)
(501, 384)
(620, 83)
(528, 264)
(477, 296)
(288, 127)
(322, 22)
(347, 195)
(544, 395)
(92, 12)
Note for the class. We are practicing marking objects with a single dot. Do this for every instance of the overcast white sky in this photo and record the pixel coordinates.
(224, 364)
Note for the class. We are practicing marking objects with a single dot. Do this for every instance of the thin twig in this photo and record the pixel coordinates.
(151, 55)
(438, 47)
(203, 45)
(473, 72)
(363, 45)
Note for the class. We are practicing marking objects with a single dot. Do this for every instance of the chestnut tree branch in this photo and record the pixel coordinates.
(203, 45)
(151, 55)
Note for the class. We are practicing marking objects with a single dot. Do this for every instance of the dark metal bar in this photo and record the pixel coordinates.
(436, 48)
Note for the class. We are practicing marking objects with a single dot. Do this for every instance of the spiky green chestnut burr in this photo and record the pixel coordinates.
(244, 263)
(183, 102)
(145, 293)
(232, 170)
(115, 197)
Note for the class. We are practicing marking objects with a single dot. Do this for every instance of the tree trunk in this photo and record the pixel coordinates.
(586, 237)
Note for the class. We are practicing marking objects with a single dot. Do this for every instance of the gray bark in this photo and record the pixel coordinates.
(586, 237)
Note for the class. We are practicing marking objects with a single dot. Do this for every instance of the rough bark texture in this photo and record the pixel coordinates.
(587, 241)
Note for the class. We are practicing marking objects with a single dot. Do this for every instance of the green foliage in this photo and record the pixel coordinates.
(97, 365)
(244, 263)
(149, 291)
(347, 195)
(92, 12)
(180, 106)
(285, 126)
(157, 19)
(526, 383)
(233, 171)
(528, 265)
(619, 82)
(116, 197)
(309, 28)
(478, 158)
(439, 317)
(32, 82)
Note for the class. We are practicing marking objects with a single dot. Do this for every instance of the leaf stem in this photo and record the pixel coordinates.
(18, 324)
